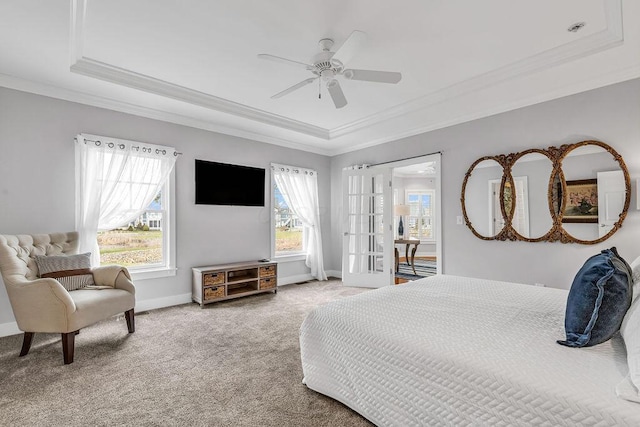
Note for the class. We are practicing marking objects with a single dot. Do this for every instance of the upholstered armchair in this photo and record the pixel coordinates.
(45, 305)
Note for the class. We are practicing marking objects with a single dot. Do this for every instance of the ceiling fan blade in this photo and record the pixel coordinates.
(336, 93)
(373, 76)
(285, 61)
(294, 87)
(349, 48)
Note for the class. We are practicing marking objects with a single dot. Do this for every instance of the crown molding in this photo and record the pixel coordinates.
(608, 38)
(110, 73)
(591, 84)
(57, 92)
(76, 30)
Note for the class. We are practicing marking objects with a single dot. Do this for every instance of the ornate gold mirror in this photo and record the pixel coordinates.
(576, 193)
(595, 192)
(483, 211)
(533, 216)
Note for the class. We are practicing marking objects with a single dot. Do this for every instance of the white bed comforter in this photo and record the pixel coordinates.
(450, 350)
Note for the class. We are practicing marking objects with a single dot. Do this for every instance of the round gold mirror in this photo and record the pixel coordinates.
(532, 217)
(481, 189)
(594, 193)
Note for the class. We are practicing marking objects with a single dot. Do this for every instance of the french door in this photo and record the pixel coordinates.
(367, 242)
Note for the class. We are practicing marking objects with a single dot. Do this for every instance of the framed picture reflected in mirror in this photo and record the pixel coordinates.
(581, 201)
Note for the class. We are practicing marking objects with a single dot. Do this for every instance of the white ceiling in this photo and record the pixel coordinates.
(195, 62)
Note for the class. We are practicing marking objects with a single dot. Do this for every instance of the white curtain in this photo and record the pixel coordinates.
(115, 182)
(299, 187)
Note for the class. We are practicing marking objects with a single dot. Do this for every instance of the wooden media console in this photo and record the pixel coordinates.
(226, 281)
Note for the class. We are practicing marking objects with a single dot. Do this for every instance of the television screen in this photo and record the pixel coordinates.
(226, 184)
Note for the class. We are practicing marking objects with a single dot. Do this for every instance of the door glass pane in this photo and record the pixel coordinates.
(355, 185)
(364, 224)
(364, 243)
(378, 224)
(352, 264)
(376, 265)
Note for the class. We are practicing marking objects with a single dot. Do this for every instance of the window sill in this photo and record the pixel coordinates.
(152, 273)
(290, 258)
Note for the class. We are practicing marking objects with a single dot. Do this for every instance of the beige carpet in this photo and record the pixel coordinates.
(233, 363)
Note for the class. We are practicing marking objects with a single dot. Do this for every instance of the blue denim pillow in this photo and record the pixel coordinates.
(599, 297)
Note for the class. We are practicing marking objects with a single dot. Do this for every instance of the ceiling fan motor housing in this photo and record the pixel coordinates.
(322, 63)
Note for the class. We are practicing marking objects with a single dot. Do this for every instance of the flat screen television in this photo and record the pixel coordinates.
(226, 184)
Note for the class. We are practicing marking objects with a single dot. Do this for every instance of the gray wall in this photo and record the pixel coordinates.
(37, 182)
(610, 114)
(37, 187)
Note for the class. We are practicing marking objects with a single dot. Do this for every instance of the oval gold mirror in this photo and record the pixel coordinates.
(532, 218)
(481, 189)
(594, 194)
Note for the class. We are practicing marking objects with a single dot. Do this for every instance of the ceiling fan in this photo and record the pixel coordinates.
(327, 65)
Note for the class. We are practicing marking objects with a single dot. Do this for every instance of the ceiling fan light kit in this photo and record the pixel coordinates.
(327, 65)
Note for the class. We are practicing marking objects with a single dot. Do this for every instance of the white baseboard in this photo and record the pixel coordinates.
(10, 328)
(334, 273)
(282, 281)
(152, 304)
(423, 254)
(294, 279)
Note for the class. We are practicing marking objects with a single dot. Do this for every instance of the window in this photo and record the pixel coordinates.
(141, 243)
(288, 229)
(296, 229)
(421, 221)
(125, 204)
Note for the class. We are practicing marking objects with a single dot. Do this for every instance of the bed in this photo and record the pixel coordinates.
(449, 350)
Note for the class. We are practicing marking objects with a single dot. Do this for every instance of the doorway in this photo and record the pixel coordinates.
(417, 190)
(371, 230)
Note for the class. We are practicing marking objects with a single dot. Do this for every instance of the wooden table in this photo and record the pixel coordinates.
(407, 242)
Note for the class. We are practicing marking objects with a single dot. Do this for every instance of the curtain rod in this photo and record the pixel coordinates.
(407, 158)
(175, 153)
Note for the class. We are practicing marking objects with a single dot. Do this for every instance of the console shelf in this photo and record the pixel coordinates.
(226, 281)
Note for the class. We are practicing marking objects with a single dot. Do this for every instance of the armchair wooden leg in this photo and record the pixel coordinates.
(131, 321)
(26, 343)
(68, 345)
